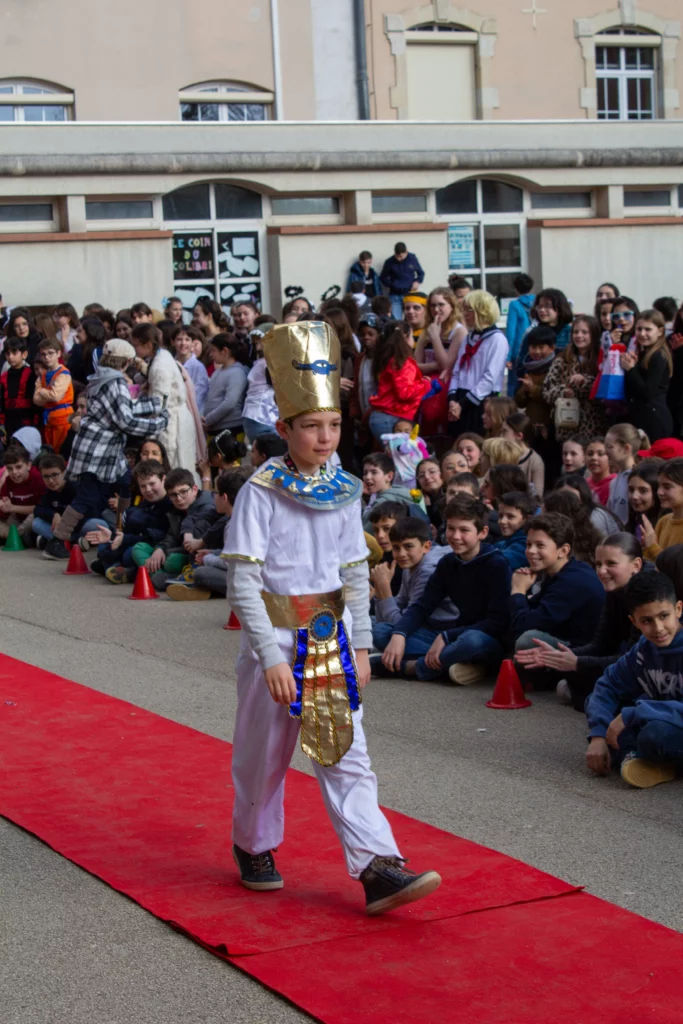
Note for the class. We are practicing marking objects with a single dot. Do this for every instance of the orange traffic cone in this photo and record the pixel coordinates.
(508, 693)
(144, 588)
(233, 622)
(77, 565)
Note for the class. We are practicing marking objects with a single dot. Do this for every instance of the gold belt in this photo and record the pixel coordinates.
(296, 612)
(324, 671)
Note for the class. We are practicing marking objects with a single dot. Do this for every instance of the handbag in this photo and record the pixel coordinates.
(567, 413)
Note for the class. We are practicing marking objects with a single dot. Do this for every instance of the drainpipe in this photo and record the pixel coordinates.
(361, 60)
(277, 60)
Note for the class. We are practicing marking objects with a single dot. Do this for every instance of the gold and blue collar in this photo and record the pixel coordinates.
(331, 489)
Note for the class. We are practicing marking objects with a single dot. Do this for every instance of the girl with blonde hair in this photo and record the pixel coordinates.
(435, 353)
(480, 364)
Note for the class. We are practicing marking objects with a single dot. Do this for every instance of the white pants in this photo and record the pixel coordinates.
(263, 744)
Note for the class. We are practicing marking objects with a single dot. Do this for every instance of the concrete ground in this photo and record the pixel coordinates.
(75, 952)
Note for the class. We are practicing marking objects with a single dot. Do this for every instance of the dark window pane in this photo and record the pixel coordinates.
(26, 211)
(500, 286)
(189, 111)
(208, 111)
(7, 113)
(647, 197)
(631, 57)
(608, 99)
(399, 204)
(502, 245)
(233, 203)
(256, 112)
(307, 205)
(119, 210)
(680, 195)
(612, 57)
(497, 197)
(461, 197)
(190, 203)
(54, 113)
(647, 58)
(560, 200)
(237, 112)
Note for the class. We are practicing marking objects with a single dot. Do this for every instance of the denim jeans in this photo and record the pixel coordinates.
(471, 646)
(396, 306)
(539, 678)
(417, 644)
(253, 428)
(655, 741)
(43, 528)
(381, 423)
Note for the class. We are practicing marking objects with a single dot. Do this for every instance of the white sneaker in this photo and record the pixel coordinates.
(465, 674)
(563, 693)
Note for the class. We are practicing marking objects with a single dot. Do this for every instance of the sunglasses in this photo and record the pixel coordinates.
(622, 316)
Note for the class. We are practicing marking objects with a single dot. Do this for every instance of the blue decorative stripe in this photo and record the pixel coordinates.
(349, 667)
(301, 641)
(346, 661)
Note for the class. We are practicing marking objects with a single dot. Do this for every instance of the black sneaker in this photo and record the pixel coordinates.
(55, 550)
(389, 885)
(97, 567)
(40, 543)
(257, 870)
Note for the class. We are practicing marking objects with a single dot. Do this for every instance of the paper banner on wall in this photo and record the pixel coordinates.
(238, 254)
(192, 255)
(461, 247)
(239, 291)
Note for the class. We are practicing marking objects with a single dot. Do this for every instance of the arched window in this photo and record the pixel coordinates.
(224, 101)
(486, 233)
(27, 100)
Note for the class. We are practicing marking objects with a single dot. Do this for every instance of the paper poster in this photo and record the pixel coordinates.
(192, 255)
(461, 246)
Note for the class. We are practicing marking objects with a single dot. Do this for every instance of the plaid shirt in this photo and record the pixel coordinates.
(112, 414)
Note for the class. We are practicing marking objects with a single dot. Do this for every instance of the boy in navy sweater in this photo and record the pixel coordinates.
(567, 606)
(476, 578)
(636, 707)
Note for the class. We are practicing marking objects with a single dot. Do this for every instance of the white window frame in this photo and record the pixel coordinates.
(215, 226)
(122, 223)
(623, 75)
(225, 94)
(671, 209)
(480, 221)
(42, 95)
(22, 227)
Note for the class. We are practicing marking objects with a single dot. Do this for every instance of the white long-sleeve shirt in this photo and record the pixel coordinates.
(484, 374)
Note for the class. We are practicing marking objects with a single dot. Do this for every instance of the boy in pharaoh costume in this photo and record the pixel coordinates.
(298, 581)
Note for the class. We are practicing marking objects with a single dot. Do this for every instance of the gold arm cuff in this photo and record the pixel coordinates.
(296, 612)
(350, 565)
(241, 558)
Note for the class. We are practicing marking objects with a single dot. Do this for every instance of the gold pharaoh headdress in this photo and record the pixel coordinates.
(304, 363)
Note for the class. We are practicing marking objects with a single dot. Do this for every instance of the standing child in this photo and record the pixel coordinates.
(574, 454)
(55, 394)
(647, 374)
(518, 427)
(480, 364)
(621, 444)
(17, 386)
(298, 582)
(400, 384)
(518, 323)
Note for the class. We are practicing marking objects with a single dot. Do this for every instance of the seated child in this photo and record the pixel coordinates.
(382, 518)
(209, 572)
(192, 513)
(451, 464)
(514, 509)
(568, 604)
(20, 492)
(55, 394)
(636, 707)
(378, 483)
(17, 385)
(266, 446)
(411, 543)
(58, 495)
(460, 483)
(224, 452)
(145, 524)
(475, 577)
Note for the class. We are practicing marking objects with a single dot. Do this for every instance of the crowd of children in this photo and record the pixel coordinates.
(523, 494)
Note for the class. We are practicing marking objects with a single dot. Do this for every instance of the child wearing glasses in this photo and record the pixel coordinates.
(58, 495)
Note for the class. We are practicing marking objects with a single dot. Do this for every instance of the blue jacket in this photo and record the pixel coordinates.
(356, 273)
(53, 502)
(519, 321)
(567, 606)
(478, 589)
(401, 276)
(147, 521)
(513, 549)
(648, 679)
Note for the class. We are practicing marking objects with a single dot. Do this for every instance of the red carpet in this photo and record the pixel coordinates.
(144, 804)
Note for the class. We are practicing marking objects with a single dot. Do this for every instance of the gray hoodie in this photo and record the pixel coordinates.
(413, 582)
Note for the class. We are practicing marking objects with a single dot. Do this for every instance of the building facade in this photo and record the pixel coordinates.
(221, 155)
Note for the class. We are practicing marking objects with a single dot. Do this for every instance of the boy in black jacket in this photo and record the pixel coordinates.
(58, 495)
(17, 385)
(476, 578)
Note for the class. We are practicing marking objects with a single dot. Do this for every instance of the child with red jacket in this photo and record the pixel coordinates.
(401, 387)
(17, 385)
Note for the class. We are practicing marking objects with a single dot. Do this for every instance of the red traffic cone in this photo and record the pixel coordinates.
(233, 622)
(143, 589)
(508, 693)
(77, 565)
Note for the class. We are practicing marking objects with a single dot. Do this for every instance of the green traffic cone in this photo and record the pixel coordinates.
(14, 541)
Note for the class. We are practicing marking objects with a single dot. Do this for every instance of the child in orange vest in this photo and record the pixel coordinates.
(55, 394)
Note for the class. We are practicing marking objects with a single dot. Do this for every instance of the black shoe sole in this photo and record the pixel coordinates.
(258, 886)
(423, 886)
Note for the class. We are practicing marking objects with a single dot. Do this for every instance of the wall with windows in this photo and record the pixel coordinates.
(130, 60)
